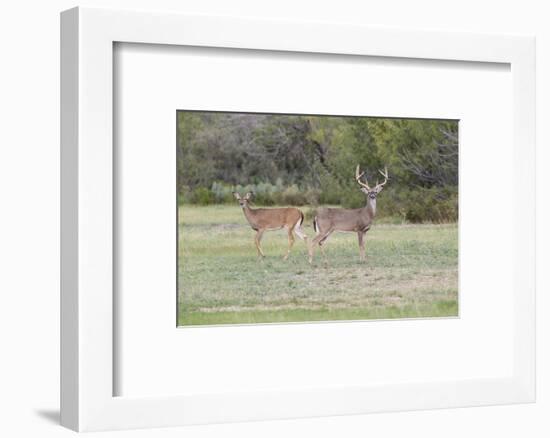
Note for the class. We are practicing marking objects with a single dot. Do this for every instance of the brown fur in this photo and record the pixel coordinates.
(358, 220)
(269, 219)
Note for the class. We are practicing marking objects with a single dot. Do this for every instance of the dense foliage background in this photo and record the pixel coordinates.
(310, 160)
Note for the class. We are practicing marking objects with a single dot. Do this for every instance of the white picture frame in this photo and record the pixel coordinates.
(87, 316)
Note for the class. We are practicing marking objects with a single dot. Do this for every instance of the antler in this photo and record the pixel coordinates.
(358, 178)
(385, 175)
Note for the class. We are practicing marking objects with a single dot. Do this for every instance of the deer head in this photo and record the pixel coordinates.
(243, 201)
(371, 192)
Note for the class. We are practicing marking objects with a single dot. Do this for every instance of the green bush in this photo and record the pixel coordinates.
(414, 205)
(420, 205)
(292, 195)
(309, 214)
(203, 196)
(185, 195)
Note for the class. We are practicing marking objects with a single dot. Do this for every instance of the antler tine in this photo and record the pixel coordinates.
(385, 175)
(358, 178)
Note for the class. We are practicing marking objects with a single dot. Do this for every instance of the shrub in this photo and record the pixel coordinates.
(203, 196)
(222, 193)
(292, 195)
(309, 214)
(420, 204)
(184, 195)
(312, 196)
(398, 204)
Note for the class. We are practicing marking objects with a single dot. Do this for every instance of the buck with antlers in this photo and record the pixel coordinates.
(357, 220)
(268, 219)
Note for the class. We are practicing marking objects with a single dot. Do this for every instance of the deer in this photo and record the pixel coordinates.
(270, 219)
(358, 220)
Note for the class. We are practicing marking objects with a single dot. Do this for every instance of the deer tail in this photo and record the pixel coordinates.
(315, 227)
(298, 229)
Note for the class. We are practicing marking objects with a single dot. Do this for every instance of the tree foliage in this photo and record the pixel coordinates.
(313, 158)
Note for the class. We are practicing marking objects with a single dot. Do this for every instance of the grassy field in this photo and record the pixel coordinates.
(411, 271)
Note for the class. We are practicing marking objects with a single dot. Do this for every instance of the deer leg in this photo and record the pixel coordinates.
(360, 236)
(300, 233)
(321, 245)
(312, 245)
(290, 243)
(257, 241)
(318, 240)
(310, 249)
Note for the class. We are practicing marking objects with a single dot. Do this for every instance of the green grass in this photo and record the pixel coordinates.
(411, 271)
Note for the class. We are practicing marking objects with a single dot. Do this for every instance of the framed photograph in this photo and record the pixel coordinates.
(246, 176)
(274, 219)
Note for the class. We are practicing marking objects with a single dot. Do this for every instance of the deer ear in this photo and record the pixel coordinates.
(379, 189)
(249, 195)
(364, 190)
(237, 196)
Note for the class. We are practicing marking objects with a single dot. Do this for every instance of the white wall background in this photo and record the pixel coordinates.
(29, 212)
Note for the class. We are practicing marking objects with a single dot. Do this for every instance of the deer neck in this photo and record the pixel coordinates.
(249, 214)
(371, 206)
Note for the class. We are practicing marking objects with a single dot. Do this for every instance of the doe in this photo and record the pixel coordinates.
(268, 219)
